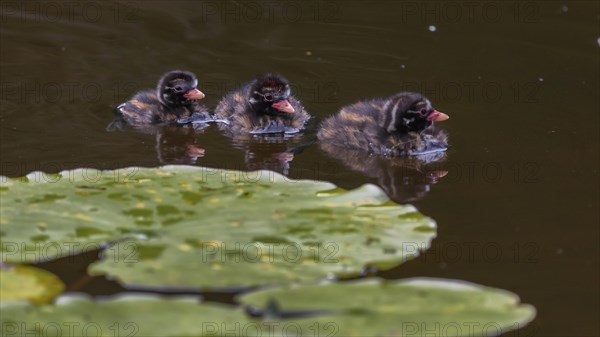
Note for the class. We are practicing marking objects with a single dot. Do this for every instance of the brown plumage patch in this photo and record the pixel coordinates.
(140, 105)
(238, 97)
(272, 83)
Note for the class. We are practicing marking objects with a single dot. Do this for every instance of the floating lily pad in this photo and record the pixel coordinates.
(23, 283)
(412, 307)
(194, 227)
(128, 315)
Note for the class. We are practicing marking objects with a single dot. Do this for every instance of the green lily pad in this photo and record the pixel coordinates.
(24, 283)
(194, 227)
(126, 315)
(411, 307)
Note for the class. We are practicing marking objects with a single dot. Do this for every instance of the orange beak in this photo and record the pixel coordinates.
(437, 116)
(284, 106)
(194, 94)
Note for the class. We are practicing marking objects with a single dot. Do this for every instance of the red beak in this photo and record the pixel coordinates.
(437, 116)
(194, 94)
(194, 151)
(284, 106)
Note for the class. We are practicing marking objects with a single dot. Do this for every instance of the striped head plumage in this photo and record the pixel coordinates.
(178, 88)
(409, 112)
(269, 95)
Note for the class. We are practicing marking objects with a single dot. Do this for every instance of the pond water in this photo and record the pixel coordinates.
(517, 207)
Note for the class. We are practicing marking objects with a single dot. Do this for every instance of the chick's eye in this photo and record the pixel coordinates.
(268, 97)
(423, 112)
(178, 89)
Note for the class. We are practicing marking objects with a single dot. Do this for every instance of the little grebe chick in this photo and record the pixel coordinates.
(176, 96)
(396, 126)
(264, 105)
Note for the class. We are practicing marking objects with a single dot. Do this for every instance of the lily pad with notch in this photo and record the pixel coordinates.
(209, 228)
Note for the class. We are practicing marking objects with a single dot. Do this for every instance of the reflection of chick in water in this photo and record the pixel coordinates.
(177, 145)
(267, 153)
(404, 179)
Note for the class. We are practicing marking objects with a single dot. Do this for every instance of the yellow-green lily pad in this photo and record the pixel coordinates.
(24, 283)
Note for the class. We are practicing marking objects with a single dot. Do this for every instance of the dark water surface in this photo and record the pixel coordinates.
(518, 208)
